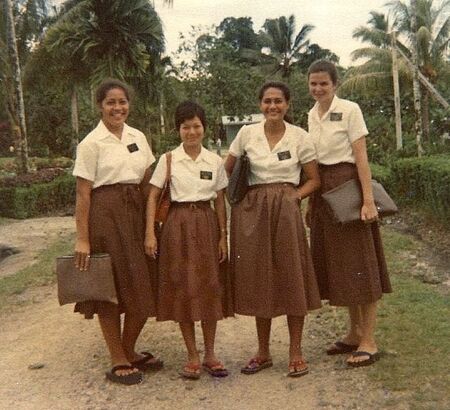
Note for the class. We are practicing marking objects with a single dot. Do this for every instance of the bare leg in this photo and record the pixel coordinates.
(109, 319)
(354, 335)
(188, 332)
(368, 321)
(132, 327)
(295, 324)
(263, 326)
(209, 336)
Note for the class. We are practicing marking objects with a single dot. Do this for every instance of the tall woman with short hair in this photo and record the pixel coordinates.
(348, 259)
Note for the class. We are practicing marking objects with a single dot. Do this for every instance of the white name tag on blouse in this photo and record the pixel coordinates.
(206, 175)
(335, 116)
(284, 155)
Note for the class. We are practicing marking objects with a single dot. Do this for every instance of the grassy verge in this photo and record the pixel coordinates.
(414, 327)
(40, 273)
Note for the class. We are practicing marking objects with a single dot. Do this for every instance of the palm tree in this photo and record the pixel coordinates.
(283, 44)
(433, 29)
(375, 74)
(16, 105)
(105, 38)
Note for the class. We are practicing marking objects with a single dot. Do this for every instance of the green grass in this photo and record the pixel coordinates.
(414, 329)
(40, 273)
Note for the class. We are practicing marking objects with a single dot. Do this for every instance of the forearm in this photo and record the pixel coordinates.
(82, 209)
(153, 198)
(219, 206)
(363, 169)
(312, 183)
(144, 186)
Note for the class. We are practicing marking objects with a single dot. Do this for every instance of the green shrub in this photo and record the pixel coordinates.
(381, 173)
(423, 182)
(38, 199)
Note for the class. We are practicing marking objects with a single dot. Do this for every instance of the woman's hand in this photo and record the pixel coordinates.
(223, 249)
(151, 245)
(82, 254)
(369, 212)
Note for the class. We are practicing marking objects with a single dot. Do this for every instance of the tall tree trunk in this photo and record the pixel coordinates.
(161, 113)
(426, 114)
(397, 106)
(19, 125)
(75, 122)
(416, 84)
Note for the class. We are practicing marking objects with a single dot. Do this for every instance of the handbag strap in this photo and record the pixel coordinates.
(168, 166)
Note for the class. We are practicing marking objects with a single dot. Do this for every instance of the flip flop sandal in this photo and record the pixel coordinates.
(144, 364)
(128, 379)
(191, 371)
(255, 365)
(341, 348)
(298, 368)
(373, 357)
(216, 369)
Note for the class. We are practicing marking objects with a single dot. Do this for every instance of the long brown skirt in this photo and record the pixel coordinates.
(270, 259)
(192, 285)
(348, 259)
(116, 226)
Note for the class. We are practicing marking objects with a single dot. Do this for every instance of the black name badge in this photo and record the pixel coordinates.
(205, 175)
(335, 116)
(132, 147)
(284, 155)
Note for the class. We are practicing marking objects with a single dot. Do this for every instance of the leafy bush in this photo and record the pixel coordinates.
(38, 199)
(424, 182)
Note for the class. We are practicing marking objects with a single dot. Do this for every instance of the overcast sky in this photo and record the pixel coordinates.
(334, 20)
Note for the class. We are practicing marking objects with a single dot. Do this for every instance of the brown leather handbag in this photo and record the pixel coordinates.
(94, 284)
(345, 201)
(163, 205)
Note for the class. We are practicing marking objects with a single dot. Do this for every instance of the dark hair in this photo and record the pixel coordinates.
(275, 84)
(188, 110)
(324, 66)
(110, 84)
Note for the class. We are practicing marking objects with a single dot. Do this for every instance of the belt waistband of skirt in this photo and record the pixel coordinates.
(273, 185)
(192, 205)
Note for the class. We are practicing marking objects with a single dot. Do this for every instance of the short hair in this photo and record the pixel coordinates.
(187, 110)
(109, 84)
(275, 84)
(324, 66)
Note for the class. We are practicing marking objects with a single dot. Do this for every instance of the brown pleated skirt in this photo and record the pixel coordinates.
(192, 285)
(116, 226)
(348, 259)
(270, 259)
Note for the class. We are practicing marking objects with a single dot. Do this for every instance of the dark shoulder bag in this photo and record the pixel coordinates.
(238, 182)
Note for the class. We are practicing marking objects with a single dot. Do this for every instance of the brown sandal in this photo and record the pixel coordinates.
(255, 365)
(191, 371)
(298, 368)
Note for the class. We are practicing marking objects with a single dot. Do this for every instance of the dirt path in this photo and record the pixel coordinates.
(71, 357)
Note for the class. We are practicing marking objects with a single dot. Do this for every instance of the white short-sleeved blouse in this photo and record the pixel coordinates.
(283, 162)
(334, 133)
(192, 181)
(104, 159)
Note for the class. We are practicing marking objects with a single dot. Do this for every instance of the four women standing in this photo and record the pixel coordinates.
(271, 266)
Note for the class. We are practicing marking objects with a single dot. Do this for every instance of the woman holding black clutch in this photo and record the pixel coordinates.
(112, 168)
(348, 259)
(270, 258)
(192, 282)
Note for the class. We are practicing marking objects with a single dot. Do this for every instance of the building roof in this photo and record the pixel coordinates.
(242, 120)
